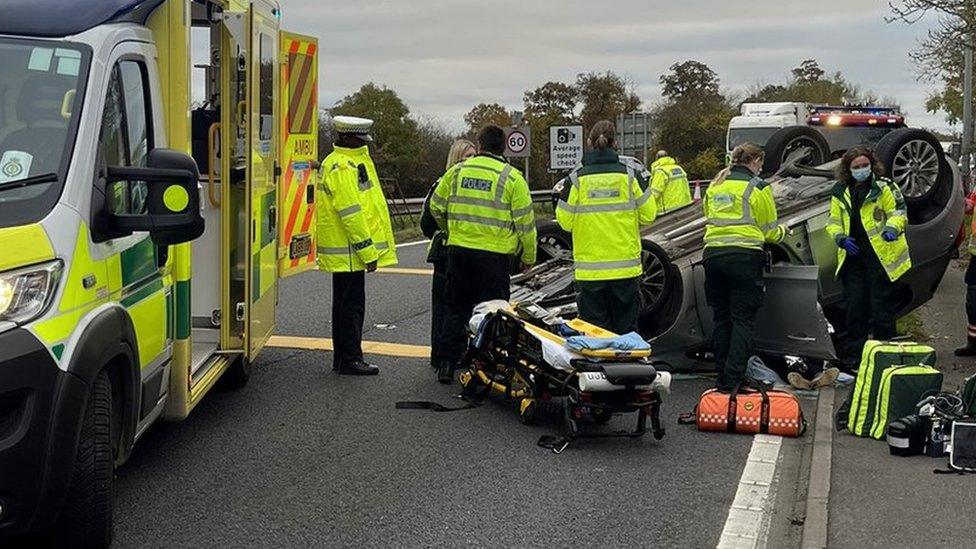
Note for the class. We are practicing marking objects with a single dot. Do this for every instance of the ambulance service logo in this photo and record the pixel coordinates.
(14, 165)
(12, 169)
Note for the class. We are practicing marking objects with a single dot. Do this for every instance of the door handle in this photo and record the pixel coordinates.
(804, 339)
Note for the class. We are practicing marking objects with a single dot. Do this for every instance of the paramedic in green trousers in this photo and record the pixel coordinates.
(867, 222)
(740, 218)
(604, 206)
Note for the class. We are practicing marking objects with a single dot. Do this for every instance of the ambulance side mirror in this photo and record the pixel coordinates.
(168, 185)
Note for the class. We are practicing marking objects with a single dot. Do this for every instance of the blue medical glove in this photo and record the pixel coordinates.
(889, 235)
(851, 246)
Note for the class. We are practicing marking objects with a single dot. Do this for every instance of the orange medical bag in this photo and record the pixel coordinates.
(766, 411)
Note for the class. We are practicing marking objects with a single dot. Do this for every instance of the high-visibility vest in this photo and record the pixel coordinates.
(669, 183)
(883, 208)
(485, 204)
(740, 212)
(604, 212)
(353, 225)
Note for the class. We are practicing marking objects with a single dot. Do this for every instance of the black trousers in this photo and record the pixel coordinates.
(971, 291)
(439, 300)
(348, 312)
(869, 294)
(474, 276)
(734, 289)
(610, 304)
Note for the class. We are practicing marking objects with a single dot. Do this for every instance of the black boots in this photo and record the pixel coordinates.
(445, 372)
(969, 349)
(358, 368)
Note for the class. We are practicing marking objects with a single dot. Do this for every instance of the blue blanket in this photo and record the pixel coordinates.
(627, 342)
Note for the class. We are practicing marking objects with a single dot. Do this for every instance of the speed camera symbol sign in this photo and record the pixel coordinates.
(517, 142)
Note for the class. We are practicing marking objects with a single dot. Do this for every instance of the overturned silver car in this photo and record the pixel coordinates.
(803, 297)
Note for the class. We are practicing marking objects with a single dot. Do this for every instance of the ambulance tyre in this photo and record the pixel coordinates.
(238, 374)
(86, 518)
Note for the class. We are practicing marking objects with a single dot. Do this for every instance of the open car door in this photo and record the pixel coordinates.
(791, 321)
(299, 122)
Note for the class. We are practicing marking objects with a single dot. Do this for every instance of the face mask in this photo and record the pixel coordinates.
(861, 174)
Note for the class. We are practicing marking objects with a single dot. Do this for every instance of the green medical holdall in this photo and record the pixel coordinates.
(876, 358)
(900, 389)
(969, 396)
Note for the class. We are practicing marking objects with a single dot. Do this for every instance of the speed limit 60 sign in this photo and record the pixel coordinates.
(518, 141)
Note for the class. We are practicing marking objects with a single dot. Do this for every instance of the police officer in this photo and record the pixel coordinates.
(603, 206)
(740, 218)
(355, 236)
(669, 183)
(485, 206)
(867, 222)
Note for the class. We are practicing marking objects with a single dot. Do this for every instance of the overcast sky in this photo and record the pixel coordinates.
(443, 57)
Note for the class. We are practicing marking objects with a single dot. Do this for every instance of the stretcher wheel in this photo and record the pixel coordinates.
(601, 416)
(528, 411)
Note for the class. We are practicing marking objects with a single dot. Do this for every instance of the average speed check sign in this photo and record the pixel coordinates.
(565, 147)
(518, 142)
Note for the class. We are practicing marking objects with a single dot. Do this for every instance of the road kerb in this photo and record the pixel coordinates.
(747, 525)
(815, 530)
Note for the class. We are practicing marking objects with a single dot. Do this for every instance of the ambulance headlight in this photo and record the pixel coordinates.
(26, 293)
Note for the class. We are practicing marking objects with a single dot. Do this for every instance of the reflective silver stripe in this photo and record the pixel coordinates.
(873, 231)
(746, 206)
(644, 197)
(524, 228)
(898, 213)
(482, 202)
(354, 209)
(769, 227)
(729, 222)
(657, 192)
(602, 265)
(616, 207)
(563, 205)
(734, 240)
(479, 220)
(522, 211)
(630, 183)
(332, 251)
(500, 186)
(435, 199)
(574, 179)
(381, 245)
(898, 263)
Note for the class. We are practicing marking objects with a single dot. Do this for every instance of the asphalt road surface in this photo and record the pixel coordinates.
(303, 457)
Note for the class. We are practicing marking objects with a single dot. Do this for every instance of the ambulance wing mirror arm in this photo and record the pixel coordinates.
(171, 214)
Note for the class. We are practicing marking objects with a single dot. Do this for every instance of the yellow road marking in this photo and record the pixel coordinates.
(369, 347)
(405, 271)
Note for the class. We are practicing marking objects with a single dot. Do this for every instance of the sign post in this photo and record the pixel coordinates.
(565, 147)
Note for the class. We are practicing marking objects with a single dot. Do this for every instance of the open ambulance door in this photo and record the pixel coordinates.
(263, 175)
(299, 123)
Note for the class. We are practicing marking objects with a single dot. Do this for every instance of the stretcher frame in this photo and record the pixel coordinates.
(511, 364)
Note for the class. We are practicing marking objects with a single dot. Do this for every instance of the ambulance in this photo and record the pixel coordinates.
(142, 235)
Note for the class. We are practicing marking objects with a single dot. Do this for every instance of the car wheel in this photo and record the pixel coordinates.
(552, 240)
(795, 146)
(86, 518)
(914, 160)
(657, 279)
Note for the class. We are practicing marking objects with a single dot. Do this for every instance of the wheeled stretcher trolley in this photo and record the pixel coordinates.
(516, 352)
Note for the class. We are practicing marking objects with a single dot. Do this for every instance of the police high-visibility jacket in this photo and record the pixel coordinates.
(740, 212)
(883, 208)
(603, 206)
(353, 225)
(485, 205)
(669, 183)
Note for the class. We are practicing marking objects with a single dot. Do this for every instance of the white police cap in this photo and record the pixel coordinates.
(355, 125)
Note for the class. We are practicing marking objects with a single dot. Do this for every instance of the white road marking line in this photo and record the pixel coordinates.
(747, 525)
(408, 244)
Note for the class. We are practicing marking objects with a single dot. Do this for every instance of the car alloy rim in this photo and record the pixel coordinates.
(801, 151)
(652, 279)
(551, 246)
(915, 168)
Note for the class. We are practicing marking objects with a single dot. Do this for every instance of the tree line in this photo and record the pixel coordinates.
(690, 119)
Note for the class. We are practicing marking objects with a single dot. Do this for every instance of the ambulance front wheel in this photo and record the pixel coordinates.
(238, 374)
(86, 518)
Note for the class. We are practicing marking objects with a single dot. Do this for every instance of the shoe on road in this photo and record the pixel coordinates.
(799, 382)
(969, 349)
(445, 373)
(358, 369)
(826, 378)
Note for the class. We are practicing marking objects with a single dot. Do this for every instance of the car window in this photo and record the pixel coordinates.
(125, 134)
